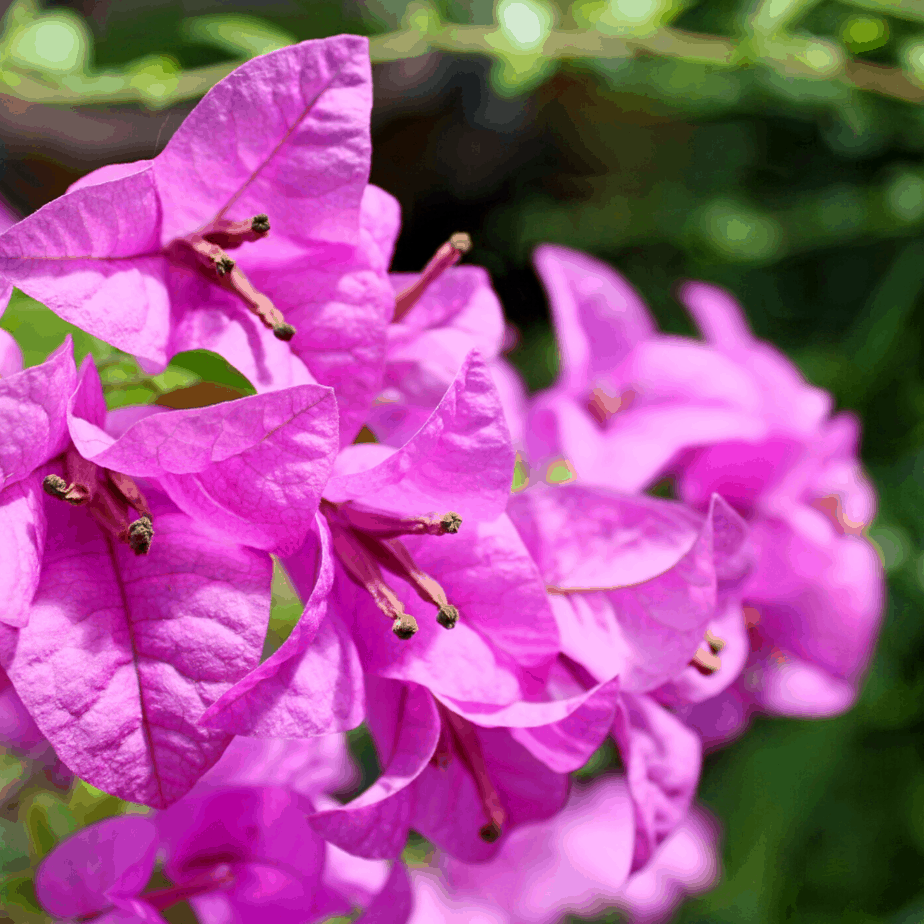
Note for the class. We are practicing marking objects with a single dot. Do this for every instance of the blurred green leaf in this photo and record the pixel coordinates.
(237, 34)
(18, 901)
(47, 820)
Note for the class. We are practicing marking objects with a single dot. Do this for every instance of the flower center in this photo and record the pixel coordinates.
(205, 251)
(448, 255)
(458, 735)
(110, 497)
(366, 541)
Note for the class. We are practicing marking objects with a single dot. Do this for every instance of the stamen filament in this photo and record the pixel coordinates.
(385, 526)
(446, 256)
(221, 877)
(130, 491)
(395, 557)
(258, 303)
(469, 749)
(230, 234)
(355, 557)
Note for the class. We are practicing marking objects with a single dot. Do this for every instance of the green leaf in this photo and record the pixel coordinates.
(210, 367)
(285, 610)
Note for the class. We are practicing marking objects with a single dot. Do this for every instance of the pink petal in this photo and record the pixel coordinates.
(718, 315)
(312, 684)
(461, 459)
(598, 316)
(286, 134)
(108, 173)
(340, 303)
(393, 905)
(662, 758)
(10, 354)
(252, 469)
(33, 405)
(113, 858)
(124, 652)
(380, 215)
(406, 726)
(22, 528)
(94, 248)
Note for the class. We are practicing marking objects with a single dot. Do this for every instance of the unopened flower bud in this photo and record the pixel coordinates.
(448, 616)
(140, 534)
(404, 626)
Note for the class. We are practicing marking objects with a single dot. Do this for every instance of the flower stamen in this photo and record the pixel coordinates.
(361, 566)
(446, 256)
(468, 747)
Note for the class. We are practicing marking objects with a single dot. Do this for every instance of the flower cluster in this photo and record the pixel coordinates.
(525, 632)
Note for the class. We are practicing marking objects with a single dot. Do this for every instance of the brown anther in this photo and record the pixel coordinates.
(229, 234)
(450, 522)
(446, 256)
(395, 557)
(75, 494)
(140, 534)
(490, 832)
(706, 662)
(284, 332)
(714, 642)
(448, 616)
(404, 626)
(224, 264)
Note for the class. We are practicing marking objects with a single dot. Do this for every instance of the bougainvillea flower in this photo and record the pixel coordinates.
(643, 589)
(634, 582)
(139, 254)
(258, 841)
(730, 415)
(179, 604)
(576, 863)
(235, 854)
(469, 610)
(462, 785)
(628, 399)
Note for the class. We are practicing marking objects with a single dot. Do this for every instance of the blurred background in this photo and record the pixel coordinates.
(771, 146)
